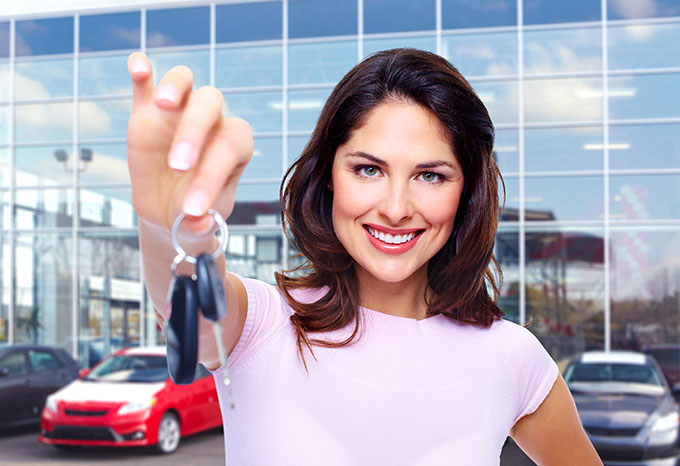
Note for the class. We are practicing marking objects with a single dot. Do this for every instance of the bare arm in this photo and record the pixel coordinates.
(553, 435)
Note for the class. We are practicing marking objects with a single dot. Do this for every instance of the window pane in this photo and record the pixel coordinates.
(564, 198)
(572, 99)
(4, 40)
(104, 118)
(630, 9)
(482, 54)
(296, 145)
(644, 146)
(256, 204)
(565, 288)
(428, 43)
(549, 11)
(500, 99)
(249, 66)
(46, 165)
(645, 286)
(255, 254)
(44, 36)
(197, 60)
(44, 79)
(109, 32)
(263, 110)
(43, 208)
(398, 15)
(4, 124)
(178, 26)
(107, 207)
(4, 81)
(510, 212)
(636, 197)
(506, 250)
(248, 21)
(325, 62)
(5, 221)
(316, 18)
(5, 288)
(43, 122)
(563, 149)
(4, 167)
(267, 159)
(104, 75)
(304, 108)
(108, 164)
(643, 46)
(558, 51)
(43, 289)
(644, 96)
(458, 14)
(505, 150)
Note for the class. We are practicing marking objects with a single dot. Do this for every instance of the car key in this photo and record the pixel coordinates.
(181, 331)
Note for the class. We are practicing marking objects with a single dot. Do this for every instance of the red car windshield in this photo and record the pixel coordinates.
(130, 368)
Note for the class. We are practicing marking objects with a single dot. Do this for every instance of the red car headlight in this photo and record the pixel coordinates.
(136, 406)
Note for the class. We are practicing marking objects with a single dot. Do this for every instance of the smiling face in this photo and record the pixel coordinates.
(396, 186)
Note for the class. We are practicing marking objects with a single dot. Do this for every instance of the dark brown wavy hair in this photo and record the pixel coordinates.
(459, 275)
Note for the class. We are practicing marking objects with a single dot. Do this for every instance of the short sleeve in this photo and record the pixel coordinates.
(532, 370)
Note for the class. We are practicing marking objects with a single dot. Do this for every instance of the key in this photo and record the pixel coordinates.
(181, 331)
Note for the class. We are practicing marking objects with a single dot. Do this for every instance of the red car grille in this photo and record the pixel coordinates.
(75, 412)
(82, 433)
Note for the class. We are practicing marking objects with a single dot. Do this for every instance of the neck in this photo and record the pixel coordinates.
(403, 299)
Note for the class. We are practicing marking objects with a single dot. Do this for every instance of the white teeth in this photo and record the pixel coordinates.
(391, 239)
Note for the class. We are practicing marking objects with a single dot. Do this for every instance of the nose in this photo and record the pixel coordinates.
(396, 204)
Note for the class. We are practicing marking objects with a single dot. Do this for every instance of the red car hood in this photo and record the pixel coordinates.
(108, 392)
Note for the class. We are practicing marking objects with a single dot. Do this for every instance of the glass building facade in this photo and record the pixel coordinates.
(585, 96)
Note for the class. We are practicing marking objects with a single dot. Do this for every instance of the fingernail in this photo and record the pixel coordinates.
(166, 92)
(138, 66)
(181, 157)
(196, 204)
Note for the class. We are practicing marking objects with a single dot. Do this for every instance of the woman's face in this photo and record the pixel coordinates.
(396, 186)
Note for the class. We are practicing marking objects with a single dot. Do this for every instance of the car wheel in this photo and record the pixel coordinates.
(168, 434)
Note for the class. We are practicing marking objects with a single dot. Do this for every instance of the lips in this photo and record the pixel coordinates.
(392, 241)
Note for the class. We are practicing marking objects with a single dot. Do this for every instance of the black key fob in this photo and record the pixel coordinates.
(210, 287)
(181, 333)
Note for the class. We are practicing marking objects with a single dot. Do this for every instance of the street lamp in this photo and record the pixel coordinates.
(86, 156)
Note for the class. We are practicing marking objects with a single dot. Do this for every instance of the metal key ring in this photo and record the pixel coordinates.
(222, 225)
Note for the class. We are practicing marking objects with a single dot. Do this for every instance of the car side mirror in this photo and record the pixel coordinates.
(675, 390)
(82, 373)
(4, 372)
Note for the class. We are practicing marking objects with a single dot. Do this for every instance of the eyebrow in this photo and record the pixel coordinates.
(378, 161)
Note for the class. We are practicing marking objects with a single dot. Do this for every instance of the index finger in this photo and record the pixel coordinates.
(141, 74)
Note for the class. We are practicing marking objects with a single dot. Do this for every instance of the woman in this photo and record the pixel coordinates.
(387, 349)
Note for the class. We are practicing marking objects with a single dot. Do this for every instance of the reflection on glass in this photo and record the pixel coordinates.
(506, 250)
(4, 124)
(107, 164)
(6, 212)
(548, 149)
(255, 254)
(319, 18)
(46, 165)
(106, 207)
(114, 31)
(564, 198)
(459, 14)
(324, 62)
(248, 21)
(398, 16)
(644, 146)
(428, 43)
(644, 96)
(571, 99)
(4, 81)
(4, 167)
(561, 50)
(267, 159)
(5, 288)
(643, 46)
(304, 108)
(104, 118)
(500, 99)
(256, 204)
(485, 54)
(4, 39)
(645, 286)
(249, 66)
(640, 197)
(263, 110)
(43, 208)
(505, 150)
(565, 289)
(509, 213)
(44, 79)
(104, 75)
(548, 11)
(110, 293)
(198, 62)
(43, 122)
(44, 36)
(630, 9)
(178, 26)
(43, 289)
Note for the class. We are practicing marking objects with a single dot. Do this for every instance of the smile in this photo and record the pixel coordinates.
(390, 241)
(390, 238)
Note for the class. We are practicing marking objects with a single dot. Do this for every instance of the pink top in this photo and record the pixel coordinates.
(408, 392)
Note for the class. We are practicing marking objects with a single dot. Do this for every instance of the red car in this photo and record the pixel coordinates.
(129, 400)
